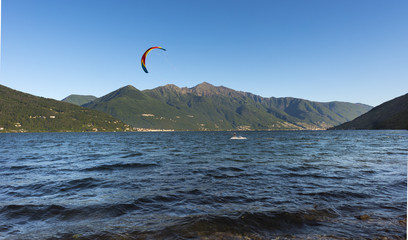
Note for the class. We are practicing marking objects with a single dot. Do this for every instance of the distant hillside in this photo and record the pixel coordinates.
(206, 107)
(389, 115)
(79, 99)
(21, 112)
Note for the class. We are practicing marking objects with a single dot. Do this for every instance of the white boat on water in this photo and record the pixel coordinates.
(235, 137)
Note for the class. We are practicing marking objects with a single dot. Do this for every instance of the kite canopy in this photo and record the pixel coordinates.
(144, 57)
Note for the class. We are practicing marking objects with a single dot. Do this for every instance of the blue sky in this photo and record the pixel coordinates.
(354, 51)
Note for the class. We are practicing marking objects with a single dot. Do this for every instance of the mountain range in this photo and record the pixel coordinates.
(203, 107)
(22, 112)
(207, 107)
(392, 114)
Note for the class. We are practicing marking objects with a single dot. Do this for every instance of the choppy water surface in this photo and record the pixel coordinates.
(202, 185)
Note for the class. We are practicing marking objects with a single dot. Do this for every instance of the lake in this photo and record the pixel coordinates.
(202, 185)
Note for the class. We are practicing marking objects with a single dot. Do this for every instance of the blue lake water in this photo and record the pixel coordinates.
(202, 185)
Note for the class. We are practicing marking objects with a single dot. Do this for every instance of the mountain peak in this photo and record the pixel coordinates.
(204, 89)
(205, 84)
(129, 87)
(79, 99)
(207, 89)
(171, 87)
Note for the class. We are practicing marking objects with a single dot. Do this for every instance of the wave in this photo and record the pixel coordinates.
(21, 167)
(79, 184)
(97, 211)
(232, 169)
(46, 212)
(107, 167)
(225, 172)
(338, 194)
(29, 157)
(301, 224)
(131, 155)
(246, 225)
(261, 224)
(50, 188)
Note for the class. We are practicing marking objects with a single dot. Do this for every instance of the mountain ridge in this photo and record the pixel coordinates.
(23, 112)
(208, 107)
(392, 114)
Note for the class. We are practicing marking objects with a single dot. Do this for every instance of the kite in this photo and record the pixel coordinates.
(144, 57)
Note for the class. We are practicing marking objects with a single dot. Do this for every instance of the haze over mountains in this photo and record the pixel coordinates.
(206, 107)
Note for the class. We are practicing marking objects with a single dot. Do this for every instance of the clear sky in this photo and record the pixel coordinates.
(320, 50)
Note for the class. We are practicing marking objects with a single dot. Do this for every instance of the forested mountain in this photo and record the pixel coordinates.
(206, 107)
(389, 115)
(22, 112)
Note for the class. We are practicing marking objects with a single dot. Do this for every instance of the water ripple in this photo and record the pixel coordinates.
(201, 185)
